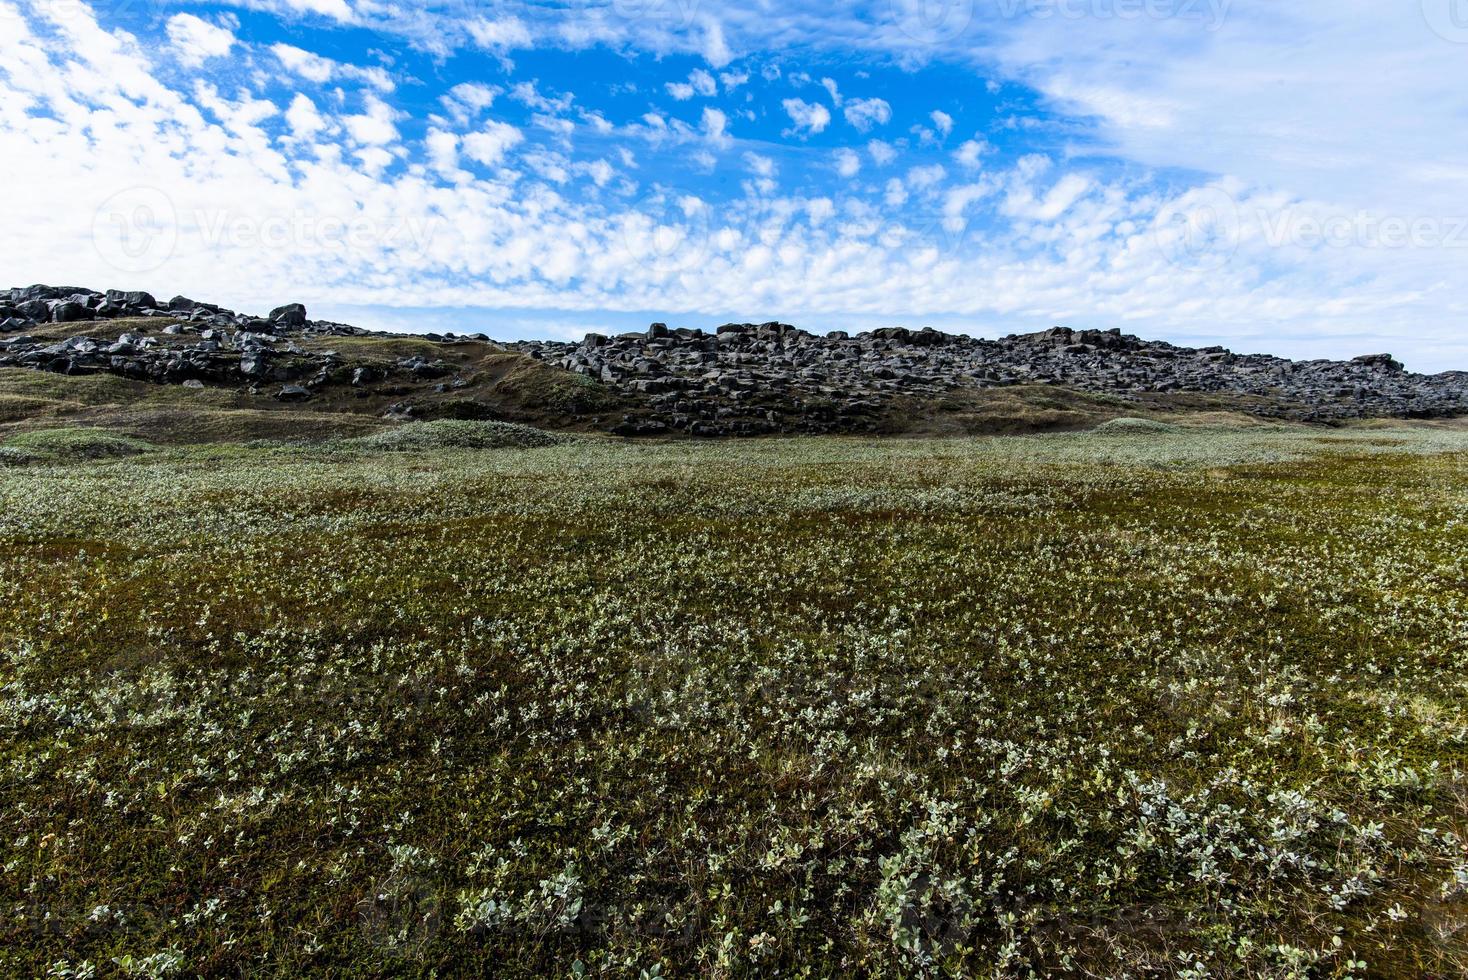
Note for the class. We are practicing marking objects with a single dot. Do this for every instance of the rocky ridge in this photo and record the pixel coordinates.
(203, 344)
(743, 379)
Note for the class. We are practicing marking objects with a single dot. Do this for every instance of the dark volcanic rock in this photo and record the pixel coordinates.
(70, 312)
(290, 315)
(752, 378)
(744, 379)
(135, 300)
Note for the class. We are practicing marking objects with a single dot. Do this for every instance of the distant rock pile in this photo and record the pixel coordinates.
(743, 379)
(748, 378)
(215, 345)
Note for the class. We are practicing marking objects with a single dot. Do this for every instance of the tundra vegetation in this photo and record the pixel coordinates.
(1152, 701)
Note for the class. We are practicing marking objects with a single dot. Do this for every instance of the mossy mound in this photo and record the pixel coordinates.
(458, 434)
(71, 445)
(1134, 426)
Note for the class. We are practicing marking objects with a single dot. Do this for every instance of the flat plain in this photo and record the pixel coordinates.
(1147, 700)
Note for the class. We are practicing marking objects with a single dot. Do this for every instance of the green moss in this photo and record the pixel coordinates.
(535, 386)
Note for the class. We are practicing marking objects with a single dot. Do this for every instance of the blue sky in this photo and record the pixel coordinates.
(1287, 179)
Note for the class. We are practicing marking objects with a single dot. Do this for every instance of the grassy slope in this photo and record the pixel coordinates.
(497, 384)
(1074, 702)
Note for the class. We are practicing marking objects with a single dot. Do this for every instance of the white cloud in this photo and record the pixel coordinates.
(335, 9)
(598, 122)
(499, 36)
(866, 113)
(1022, 203)
(715, 47)
(759, 165)
(921, 178)
(942, 121)
(715, 127)
(443, 152)
(958, 200)
(601, 172)
(809, 118)
(699, 82)
(703, 83)
(467, 100)
(1059, 244)
(311, 67)
(304, 119)
(1300, 98)
(529, 94)
(316, 68)
(195, 41)
(490, 144)
(970, 153)
(559, 125)
(375, 127)
(882, 153)
(848, 163)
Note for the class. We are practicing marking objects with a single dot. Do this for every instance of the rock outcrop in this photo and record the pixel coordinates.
(743, 379)
(748, 378)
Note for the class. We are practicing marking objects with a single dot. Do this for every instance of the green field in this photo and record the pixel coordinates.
(1148, 702)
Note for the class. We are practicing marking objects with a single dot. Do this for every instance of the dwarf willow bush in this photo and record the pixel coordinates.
(1186, 703)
